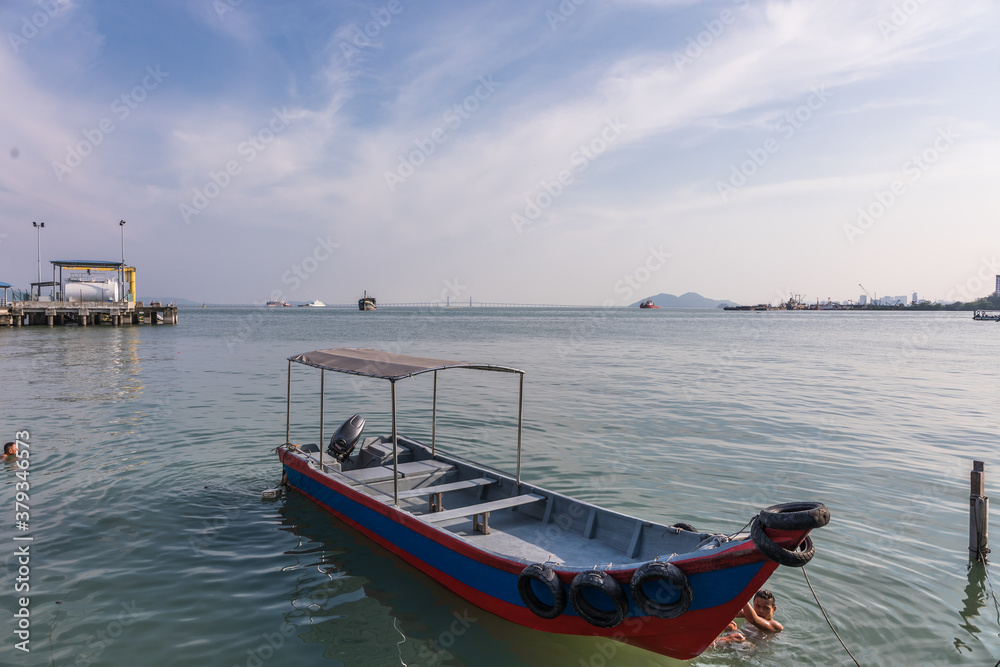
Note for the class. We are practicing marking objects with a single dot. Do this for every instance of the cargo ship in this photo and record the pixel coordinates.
(366, 302)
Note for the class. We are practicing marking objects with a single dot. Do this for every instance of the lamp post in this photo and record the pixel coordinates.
(38, 233)
(121, 223)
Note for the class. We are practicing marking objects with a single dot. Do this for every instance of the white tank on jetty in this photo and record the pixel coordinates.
(77, 290)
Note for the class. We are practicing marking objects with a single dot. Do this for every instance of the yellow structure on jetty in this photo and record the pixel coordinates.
(83, 299)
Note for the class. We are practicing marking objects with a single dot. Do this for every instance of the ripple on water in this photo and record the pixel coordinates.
(147, 467)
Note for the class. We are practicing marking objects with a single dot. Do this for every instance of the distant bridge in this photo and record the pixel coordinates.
(474, 304)
(415, 304)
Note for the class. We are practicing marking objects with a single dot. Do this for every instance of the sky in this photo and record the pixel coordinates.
(559, 152)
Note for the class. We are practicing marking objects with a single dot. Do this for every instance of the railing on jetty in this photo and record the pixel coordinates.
(987, 315)
(84, 313)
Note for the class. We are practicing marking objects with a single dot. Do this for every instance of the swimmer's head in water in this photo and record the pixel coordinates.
(764, 604)
(10, 448)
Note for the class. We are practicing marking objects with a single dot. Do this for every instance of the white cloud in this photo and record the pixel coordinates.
(325, 171)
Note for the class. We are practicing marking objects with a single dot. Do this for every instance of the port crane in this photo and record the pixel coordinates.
(870, 297)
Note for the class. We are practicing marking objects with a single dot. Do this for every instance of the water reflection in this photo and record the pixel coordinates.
(366, 606)
(69, 365)
(976, 596)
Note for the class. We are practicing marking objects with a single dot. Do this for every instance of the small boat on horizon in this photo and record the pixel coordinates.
(278, 302)
(313, 304)
(538, 558)
(366, 302)
(648, 303)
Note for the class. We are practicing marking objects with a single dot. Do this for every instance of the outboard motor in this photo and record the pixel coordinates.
(346, 438)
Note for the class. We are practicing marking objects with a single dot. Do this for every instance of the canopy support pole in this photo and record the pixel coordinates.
(322, 396)
(520, 419)
(288, 405)
(395, 457)
(434, 414)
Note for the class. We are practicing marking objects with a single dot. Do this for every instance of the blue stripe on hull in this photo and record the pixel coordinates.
(710, 589)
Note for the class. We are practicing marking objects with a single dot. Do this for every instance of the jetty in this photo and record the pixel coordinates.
(91, 296)
(987, 315)
(84, 313)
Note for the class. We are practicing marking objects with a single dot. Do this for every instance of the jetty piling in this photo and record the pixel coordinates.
(979, 515)
(52, 313)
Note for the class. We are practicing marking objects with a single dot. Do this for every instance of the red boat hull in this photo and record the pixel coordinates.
(721, 583)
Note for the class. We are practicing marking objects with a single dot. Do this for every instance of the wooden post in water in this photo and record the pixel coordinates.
(979, 515)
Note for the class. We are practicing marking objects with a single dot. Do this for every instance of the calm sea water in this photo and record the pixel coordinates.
(150, 446)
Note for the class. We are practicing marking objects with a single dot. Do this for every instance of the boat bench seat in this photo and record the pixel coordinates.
(435, 492)
(480, 512)
(384, 473)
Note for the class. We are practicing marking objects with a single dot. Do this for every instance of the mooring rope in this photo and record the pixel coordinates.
(399, 650)
(828, 619)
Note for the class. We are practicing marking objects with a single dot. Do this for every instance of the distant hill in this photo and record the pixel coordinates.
(688, 300)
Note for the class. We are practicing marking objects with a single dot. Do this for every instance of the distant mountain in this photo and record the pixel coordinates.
(688, 300)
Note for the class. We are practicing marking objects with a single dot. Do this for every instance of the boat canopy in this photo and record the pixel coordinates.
(391, 367)
(385, 365)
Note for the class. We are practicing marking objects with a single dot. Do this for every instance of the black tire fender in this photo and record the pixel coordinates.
(795, 558)
(795, 516)
(550, 580)
(606, 584)
(669, 572)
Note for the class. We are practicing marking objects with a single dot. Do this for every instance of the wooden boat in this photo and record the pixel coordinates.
(527, 554)
(366, 302)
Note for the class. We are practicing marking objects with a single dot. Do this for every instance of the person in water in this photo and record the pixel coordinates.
(758, 612)
(10, 449)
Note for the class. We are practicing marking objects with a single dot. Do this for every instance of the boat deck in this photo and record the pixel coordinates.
(491, 512)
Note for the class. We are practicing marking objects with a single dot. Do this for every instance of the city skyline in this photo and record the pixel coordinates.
(560, 152)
